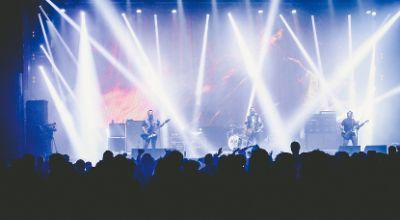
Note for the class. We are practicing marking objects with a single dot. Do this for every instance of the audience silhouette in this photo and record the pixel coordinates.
(241, 185)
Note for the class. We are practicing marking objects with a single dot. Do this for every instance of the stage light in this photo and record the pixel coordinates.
(89, 101)
(272, 12)
(62, 10)
(65, 115)
(269, 111)
(200, 76)
(387, 95)
(373, 14)
(368, 12)
(260, 11)
(149, 83)
(294, 11)
(59, 74)
(138, 11)
(55, 31)
(165, 134)
(345, 69)
(316, 44)
(352, 87)
(174, 11)
(367, 112)
(304, 52)
(82, 13)
(45, 35)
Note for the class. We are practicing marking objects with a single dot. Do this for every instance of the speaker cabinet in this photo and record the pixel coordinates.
(37, 139)
(376, 148)
(132, 134)
(116, 144)
(322, 132)
(117, 129)
(36, 112)
(323, 141)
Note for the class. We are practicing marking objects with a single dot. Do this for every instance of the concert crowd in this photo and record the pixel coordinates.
(309, 185)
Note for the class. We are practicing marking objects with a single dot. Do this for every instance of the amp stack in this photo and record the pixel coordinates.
(322, 131)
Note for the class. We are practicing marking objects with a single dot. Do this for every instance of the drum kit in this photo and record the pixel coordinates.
(237, 138)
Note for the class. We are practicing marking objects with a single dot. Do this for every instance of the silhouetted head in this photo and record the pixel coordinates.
(252, 111)
(107, 155)
(295, 147)
(150, 114)
(350, 114)
(208, 159)
(88, 166)
(392, 150)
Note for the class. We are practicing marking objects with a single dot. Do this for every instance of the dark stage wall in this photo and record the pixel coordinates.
(11, 66)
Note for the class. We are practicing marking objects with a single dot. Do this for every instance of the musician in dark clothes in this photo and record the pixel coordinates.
(349, 129)
(254, 126)
(150, 126)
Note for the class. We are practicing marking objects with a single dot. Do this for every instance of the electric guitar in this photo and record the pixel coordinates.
(347, 135)
(148, 136)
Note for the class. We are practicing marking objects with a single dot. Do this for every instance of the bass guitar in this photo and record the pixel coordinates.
(150, 135)
(347, 135)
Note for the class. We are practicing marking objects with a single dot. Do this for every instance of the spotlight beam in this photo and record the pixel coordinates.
(107, 55)
(315, 72)
(200, 76)
(387, 95)
(352, 91)
(45, 35)
(57, 71)
(155, 85)
(272, 12)
(316, 44)
(345, 69)
(300, 46)
(90, 112)
(368, 110)
(53, 27)
(164, 135)
(274, 123)
(62, 110)
(121, 68)
(157, 44)
(49, 51)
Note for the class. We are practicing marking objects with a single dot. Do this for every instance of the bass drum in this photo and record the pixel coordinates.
(234, 141)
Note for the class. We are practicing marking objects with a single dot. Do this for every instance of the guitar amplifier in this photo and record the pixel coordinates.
(116, 144)
(116, 129)
(132, 134)
(322, 132)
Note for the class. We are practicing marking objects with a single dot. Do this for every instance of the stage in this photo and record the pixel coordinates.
(201, 66)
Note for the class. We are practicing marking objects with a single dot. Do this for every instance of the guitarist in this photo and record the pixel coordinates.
(349, 129)
(150, 126)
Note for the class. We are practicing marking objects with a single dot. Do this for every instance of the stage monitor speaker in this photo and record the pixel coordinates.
(116, 144)
(155, 153)
(132, 134)
(349, 149)
(376, 148)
